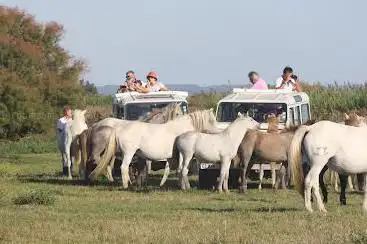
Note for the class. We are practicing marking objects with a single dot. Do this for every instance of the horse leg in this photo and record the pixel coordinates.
(261, 175)
(245, 166)
(312, 181)
(360, 183)
(343, 185)
(185, 184)
(224, 172)
(322, 184)
(336, 187)
(365, 194)
(283, 173)
(109, 169)
(149, 166)
(350, 183)
(128, 156)
(273, 174)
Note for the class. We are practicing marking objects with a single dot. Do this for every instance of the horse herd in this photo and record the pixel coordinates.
(305, 152)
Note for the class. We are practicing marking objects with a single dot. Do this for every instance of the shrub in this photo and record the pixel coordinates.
(359, 238)
(35, 197)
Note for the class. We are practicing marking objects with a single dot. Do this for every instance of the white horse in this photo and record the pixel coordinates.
(341, 147)
(67, 142)
(101, 131)
(351, 119)
(220, 147)
(151, 141)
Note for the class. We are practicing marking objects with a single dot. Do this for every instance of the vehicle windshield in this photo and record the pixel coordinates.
(227, 112)
(135, 110)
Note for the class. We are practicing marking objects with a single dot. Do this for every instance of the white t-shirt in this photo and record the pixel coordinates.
(156, 87)
(288, 86)
(61, 123)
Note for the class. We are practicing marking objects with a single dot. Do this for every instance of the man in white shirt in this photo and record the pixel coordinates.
(288, 81)
(60, 135)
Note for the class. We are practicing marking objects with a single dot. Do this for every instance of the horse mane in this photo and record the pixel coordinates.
(293, 128)
(169, 111)
(201, 119)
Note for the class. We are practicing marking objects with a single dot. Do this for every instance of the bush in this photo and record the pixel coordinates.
(35, 197)
(359, 238)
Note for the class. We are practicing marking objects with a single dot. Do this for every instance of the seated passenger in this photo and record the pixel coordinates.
(130, 82)
(152, 85)
(256, 81)
(288, 81)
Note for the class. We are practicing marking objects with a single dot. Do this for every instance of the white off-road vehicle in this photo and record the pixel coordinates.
(293, 108)
(134, 105)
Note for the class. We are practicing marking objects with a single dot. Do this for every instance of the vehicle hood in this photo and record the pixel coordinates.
(263, 126)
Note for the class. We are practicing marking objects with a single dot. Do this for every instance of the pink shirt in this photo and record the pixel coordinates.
(260, 84)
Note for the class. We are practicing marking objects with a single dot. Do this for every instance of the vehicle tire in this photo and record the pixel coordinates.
(208, 178)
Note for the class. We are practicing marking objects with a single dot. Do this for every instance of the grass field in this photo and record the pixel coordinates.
(69, 212)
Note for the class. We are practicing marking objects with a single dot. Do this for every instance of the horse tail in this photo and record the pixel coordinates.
(295, 158)
(174, 161)
(165, 174)
(106, 157)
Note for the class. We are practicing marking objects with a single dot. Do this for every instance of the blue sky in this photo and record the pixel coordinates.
(212, 41)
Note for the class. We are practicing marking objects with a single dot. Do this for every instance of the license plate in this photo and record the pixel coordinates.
(209, 165)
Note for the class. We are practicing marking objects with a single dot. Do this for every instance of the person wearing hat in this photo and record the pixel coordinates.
(152, 85)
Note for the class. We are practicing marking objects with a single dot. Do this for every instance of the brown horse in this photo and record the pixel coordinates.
(266, 147)
(273, 128)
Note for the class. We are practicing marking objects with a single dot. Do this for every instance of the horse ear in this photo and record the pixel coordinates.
(211, 110)
(239, 115)
(346, 116)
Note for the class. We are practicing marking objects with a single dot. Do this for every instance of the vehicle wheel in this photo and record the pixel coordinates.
(208, 178)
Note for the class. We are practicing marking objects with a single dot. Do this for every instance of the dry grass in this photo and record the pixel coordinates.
(105, 214)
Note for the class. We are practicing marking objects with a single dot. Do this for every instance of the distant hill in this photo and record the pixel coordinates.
(190, 88)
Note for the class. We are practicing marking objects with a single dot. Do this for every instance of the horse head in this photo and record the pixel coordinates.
(78, 123)
(352, 119)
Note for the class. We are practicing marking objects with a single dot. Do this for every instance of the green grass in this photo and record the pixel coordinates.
(32, 144)
(105, 214)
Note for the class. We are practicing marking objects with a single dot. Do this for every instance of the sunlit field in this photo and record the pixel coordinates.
(39, 206)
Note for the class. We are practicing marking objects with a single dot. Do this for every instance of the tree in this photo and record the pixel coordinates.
(37, 76)
(89, 87)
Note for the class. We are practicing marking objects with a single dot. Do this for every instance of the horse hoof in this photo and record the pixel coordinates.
(343, 202)
(309, 210)
(323, 210)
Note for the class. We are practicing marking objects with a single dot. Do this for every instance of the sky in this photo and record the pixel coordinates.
(208, 42)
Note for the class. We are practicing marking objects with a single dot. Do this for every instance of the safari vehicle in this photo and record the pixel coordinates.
(292, 107)
(133, 105)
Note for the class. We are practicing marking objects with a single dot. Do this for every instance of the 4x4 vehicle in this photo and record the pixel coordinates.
(293, 107)
(133, 105)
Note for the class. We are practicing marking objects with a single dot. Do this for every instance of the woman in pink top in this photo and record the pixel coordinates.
(256, 81)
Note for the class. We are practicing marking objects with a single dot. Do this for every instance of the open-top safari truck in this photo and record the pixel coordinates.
(293, 108)
(134, 105)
